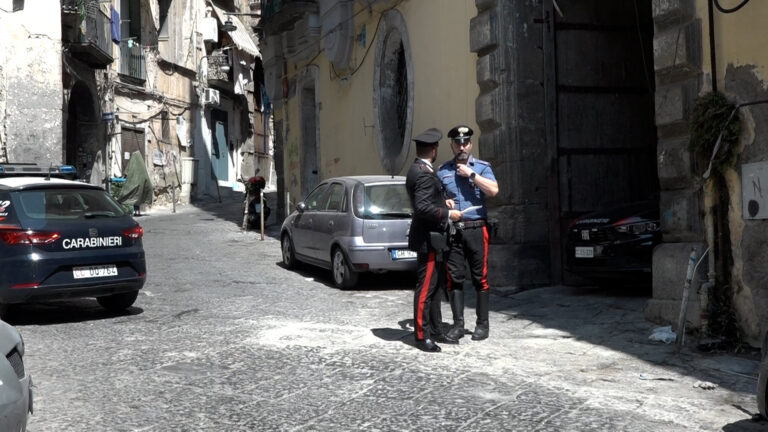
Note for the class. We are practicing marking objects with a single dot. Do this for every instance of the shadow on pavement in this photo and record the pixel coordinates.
(367, 282)
(393, 335)
(747, 425)
(405, 334)
(613, 318)
(63, 311)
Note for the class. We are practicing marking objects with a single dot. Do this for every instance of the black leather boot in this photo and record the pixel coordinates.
(481, 330)
(457, 308)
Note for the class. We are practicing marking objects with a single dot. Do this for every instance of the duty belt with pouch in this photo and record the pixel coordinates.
(469, 224)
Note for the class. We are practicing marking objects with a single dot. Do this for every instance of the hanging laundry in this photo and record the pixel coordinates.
(115, 26)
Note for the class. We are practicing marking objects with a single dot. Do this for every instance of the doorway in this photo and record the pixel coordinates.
(310, 174)
(599, 85)
(131, 141)
(219, 145)
(82, 129)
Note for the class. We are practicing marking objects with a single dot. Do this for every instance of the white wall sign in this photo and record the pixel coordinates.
(754, 190)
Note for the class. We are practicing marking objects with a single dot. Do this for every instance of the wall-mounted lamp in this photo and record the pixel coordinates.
(228, 25)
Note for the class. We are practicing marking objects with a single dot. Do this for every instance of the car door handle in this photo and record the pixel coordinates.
(330, 224)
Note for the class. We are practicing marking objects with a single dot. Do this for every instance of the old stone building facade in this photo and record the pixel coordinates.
(98, 81)
(700, 47)
(579, 105)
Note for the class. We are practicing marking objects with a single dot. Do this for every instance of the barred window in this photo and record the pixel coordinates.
(393, 93)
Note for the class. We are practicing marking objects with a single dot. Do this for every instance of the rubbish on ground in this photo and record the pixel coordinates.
(663, 334)
(706, 385)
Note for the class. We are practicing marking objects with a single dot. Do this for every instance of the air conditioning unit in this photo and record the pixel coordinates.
(210, 96)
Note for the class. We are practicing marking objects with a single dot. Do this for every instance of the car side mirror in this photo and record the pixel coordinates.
(300, 207)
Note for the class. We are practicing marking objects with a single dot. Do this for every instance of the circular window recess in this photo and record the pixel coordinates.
(393, 93)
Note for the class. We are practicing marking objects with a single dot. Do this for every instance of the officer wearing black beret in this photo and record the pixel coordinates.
(429, 224)
(467, 182)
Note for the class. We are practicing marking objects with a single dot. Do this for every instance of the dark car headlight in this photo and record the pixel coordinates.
(638, 228)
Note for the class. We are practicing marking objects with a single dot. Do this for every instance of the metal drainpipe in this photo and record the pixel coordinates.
(711, 274)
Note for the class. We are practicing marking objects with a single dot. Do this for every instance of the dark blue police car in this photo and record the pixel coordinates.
(61, 238)
(614, 243)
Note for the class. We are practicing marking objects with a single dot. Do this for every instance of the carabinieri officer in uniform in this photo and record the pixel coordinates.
(467, 182)
(427, 237)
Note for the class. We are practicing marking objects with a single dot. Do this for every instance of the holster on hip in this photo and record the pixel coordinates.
(438, 241)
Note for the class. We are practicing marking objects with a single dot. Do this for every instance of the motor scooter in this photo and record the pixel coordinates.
(253, 203)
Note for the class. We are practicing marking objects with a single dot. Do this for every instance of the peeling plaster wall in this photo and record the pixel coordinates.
(682, 59)
(748, 237)
(30, 83)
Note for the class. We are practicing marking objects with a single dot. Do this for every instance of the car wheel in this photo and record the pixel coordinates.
(289, 256)
(118, 302)
(343, 275)
(762, 388)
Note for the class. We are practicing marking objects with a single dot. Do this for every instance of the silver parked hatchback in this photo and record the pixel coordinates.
(351, 225)
(15, 382)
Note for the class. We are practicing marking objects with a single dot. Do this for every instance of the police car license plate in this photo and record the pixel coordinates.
(585, 252)
(398, 254)
(94, 271)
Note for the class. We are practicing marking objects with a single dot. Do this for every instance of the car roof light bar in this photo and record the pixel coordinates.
(35, 170)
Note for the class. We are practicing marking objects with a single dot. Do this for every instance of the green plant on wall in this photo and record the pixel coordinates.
(712, 115)
(714, 127)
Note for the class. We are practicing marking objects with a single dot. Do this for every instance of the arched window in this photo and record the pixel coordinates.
(393, 92)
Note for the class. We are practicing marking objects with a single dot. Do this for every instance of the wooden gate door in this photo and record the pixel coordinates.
(599, 108)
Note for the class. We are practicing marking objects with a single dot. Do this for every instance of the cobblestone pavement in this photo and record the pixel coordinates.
(223, 338)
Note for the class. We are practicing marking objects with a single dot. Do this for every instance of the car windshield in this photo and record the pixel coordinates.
(382, 201)
(74, 203)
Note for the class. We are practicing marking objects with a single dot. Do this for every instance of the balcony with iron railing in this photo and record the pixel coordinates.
(86, 32)
(278, 16)
(133, 63)
(219, 72)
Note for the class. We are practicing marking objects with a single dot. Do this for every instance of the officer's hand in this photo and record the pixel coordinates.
(463, 170)
(450, 203)
(454, 215)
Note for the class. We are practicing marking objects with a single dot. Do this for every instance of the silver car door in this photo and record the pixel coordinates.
(304, 224)
(329, 221)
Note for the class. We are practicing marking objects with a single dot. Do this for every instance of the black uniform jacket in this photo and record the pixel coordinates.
(430, 213)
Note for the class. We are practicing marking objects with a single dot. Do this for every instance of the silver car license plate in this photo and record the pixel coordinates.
(94, 271)
(398, 254)
(585, 252)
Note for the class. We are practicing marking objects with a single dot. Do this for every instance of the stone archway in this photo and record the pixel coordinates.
(84, 129)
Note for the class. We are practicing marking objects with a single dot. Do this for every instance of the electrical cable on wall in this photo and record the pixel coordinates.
(338, 26)
(368, 49)
(731, 10)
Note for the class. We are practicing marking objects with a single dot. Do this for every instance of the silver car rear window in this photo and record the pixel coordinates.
(382, 201)
(73, 203)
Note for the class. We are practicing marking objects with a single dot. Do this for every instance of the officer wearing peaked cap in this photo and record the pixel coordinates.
(468, 181)
(428, 226)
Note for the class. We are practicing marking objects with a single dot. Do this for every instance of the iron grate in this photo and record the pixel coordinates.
(14, 358)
